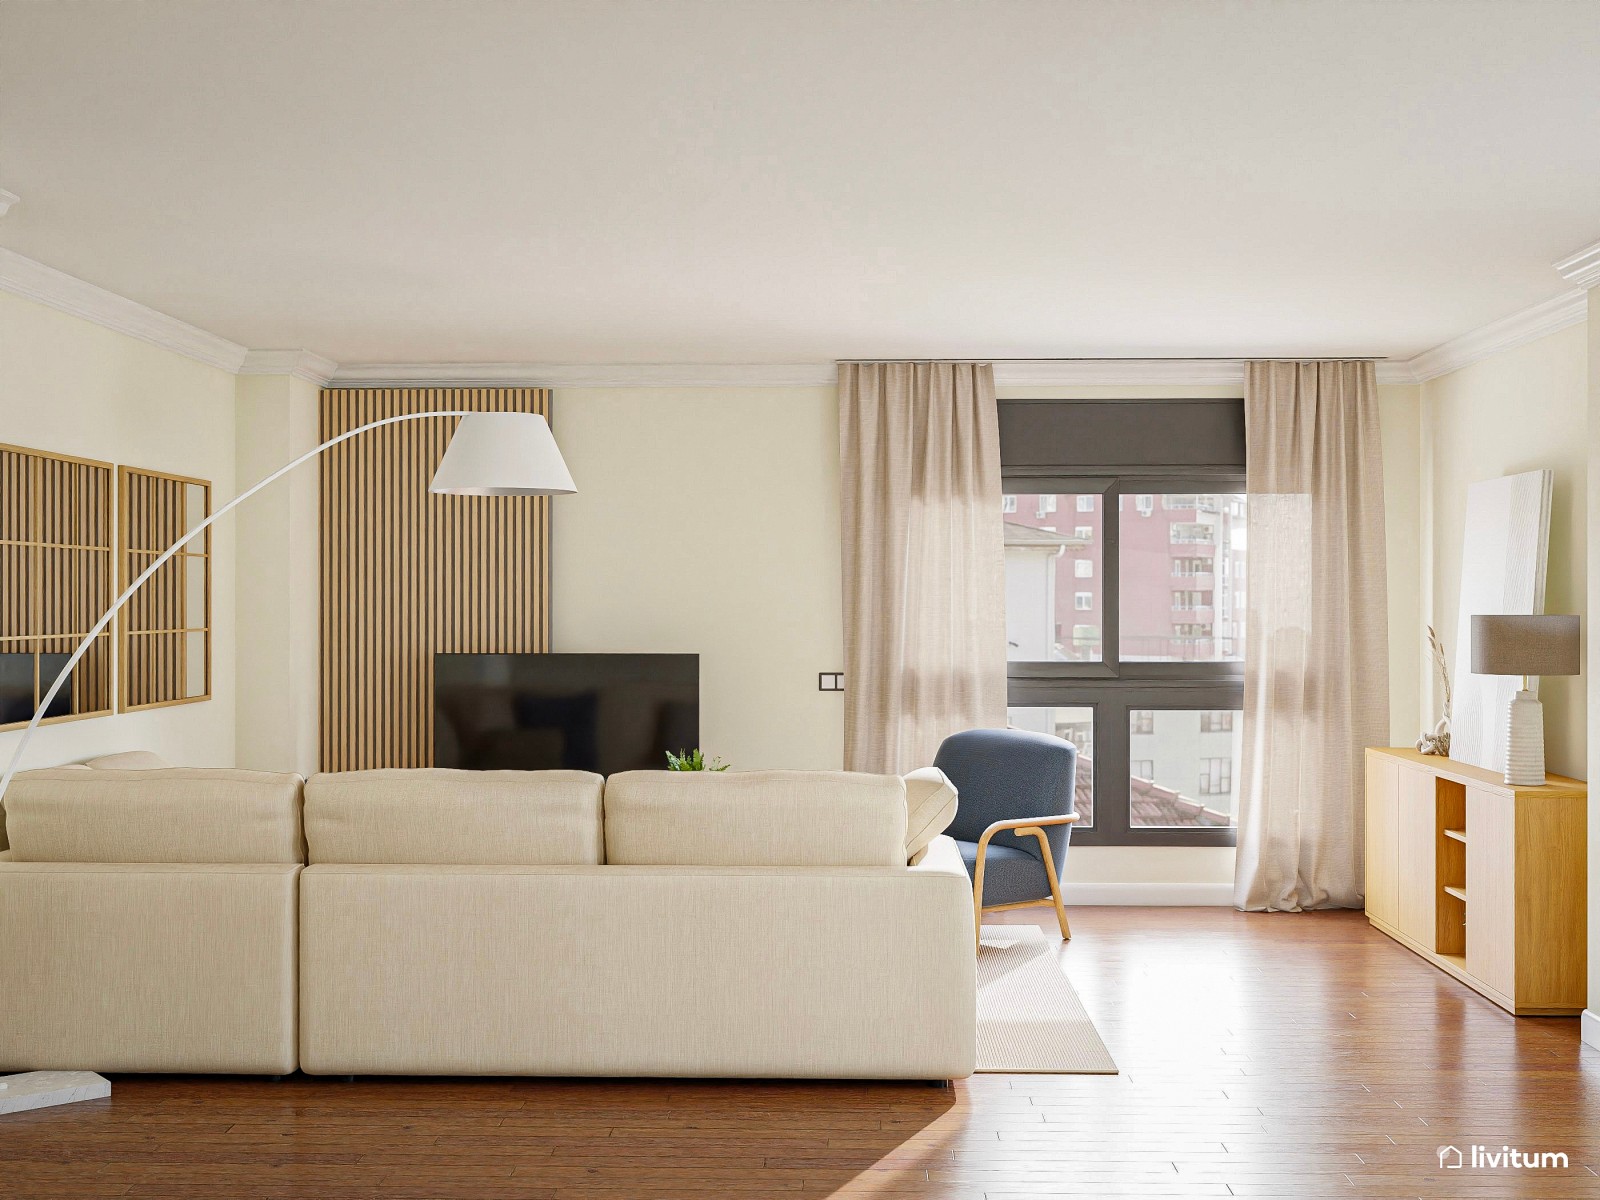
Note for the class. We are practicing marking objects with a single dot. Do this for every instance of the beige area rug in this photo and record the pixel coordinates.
(1030, 1021)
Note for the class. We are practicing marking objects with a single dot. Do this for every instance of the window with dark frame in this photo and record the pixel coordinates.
(1149, 691)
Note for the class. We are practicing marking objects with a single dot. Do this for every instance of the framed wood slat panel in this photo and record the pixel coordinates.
(164, 631)
(407, 574)
(56, 579)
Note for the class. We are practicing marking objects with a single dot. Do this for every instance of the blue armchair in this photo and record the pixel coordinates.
(1015, 815)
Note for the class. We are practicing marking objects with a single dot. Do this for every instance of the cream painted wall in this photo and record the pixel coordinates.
(707, 521)
(276, 420)
(1521, 410)
(76, 388)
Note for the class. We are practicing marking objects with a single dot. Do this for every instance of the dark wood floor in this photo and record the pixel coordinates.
(1265, 1056)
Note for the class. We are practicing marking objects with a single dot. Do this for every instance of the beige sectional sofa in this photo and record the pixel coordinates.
(762, 924)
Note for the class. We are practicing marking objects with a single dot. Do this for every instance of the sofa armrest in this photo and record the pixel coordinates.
(931, 802)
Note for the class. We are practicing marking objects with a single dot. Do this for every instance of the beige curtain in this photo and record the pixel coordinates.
(924, 559)
(1316, 637)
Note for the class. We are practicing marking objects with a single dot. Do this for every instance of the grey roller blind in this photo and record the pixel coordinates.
(1122, 437)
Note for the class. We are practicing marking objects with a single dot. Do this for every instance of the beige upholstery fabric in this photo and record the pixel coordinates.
(526, 818)
(924, 559)
(755, 818)
(129, 760)
(930, 807)
(640, 971)
(1316, 663)
(147, 968)
(177, 815)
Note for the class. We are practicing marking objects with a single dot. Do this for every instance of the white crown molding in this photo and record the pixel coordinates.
(1537, 321)
(8, 201)
(302, 364)
(66, 293)
(566, 375)
(1582, 267)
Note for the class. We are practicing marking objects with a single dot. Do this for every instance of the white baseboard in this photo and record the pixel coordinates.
(1148, 893)
(1589, 1027)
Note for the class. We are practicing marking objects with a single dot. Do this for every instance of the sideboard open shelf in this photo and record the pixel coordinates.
(1485, 880)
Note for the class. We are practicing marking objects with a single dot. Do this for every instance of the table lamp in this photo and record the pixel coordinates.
(1525, 646)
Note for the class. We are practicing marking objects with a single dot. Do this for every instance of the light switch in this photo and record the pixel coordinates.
(830, 681)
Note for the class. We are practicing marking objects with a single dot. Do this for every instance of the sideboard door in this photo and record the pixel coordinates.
(1382, 867)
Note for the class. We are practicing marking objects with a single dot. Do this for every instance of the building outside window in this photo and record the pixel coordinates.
(1083, 601)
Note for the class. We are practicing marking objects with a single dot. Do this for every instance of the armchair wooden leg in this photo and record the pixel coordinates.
(977, 901)
(1055, 889)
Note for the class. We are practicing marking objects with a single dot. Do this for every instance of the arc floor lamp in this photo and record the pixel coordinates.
(490, 454)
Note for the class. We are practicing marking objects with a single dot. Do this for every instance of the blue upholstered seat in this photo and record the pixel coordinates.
(1006, 775)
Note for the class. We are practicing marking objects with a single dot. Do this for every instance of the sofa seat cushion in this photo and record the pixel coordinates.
(171, 815)
(462, 818)
(755, 819)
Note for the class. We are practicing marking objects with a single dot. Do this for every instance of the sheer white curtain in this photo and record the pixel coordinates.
(1316, 632)
(924, 559)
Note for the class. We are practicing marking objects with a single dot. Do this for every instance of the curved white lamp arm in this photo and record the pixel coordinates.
(99, 626)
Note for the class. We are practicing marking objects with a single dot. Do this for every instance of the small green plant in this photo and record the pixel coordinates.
(693, 760)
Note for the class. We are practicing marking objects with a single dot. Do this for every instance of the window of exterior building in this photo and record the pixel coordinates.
(1083, 601)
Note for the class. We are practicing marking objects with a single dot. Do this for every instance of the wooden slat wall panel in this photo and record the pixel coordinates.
(56, 569)
(406, 574)
(153, 624)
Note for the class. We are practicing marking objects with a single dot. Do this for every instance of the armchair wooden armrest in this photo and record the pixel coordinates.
(1022, 827)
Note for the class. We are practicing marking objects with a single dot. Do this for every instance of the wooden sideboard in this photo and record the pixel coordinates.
(1485, 880)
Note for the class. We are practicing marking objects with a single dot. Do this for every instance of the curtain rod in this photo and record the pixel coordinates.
(1136, 359)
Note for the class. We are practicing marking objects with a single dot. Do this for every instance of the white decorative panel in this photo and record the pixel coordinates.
(1503, 559)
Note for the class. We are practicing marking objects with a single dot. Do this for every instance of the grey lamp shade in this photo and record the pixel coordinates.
(1524, 645)
(503, 454)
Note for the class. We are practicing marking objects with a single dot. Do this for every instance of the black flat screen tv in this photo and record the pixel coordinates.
(583, 712)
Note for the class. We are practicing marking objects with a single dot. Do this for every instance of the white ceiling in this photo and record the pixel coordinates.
(750, 181)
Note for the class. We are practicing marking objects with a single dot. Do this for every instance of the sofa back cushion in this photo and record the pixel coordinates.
(455, 818)
(172, 815)
(755, 819)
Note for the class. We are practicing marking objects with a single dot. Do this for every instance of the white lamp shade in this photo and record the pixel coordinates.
(503, 454)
